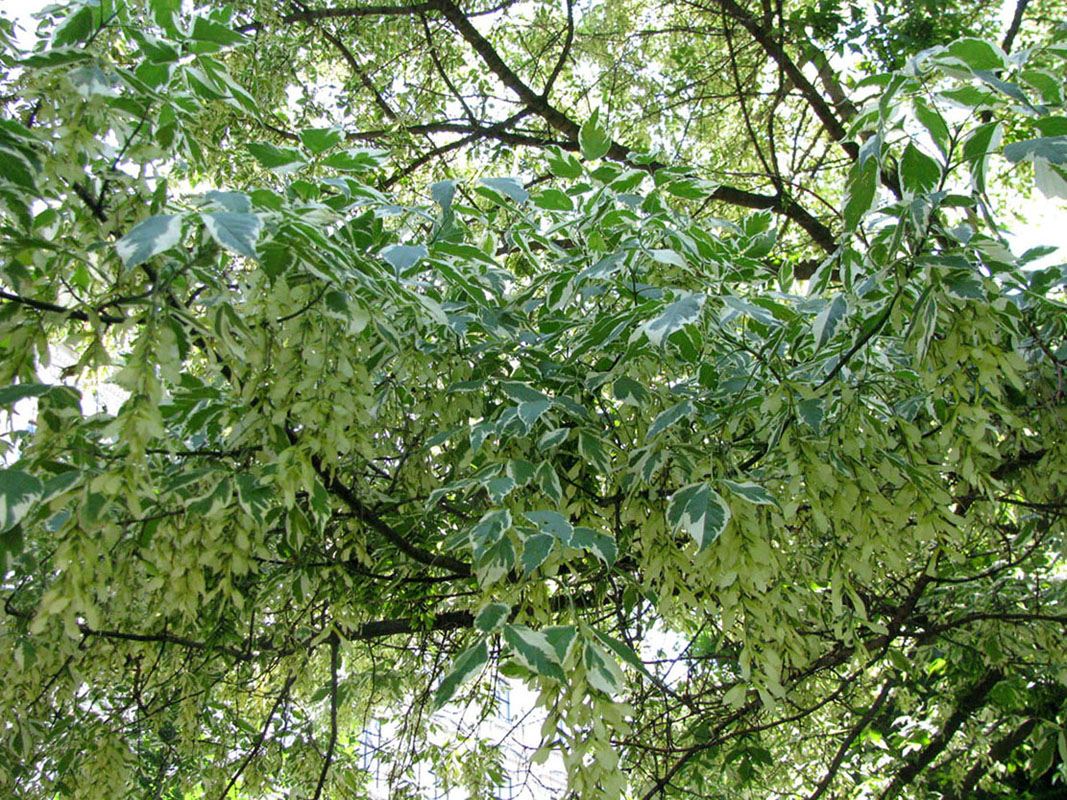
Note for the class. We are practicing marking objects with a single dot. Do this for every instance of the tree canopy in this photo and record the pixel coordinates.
(671, 358)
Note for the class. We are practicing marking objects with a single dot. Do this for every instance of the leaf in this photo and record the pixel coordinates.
(18, 492)
(674, 317)
(919, 173)
(593, 138)
(254, 498)
(562, 639)
(205, 30)
(630, 392)
(237, 233)
(667, 418)
(564, 165)
(1052, 149)
(237, 202)
(489, 530)
(533, 650)
(601, 545)
(521, 392)
(553, 438)
(277, 159)
(860, 191)
(402, 257)
(509, 187)
(976, 54)
(591, 448)
(496, 562)
(827, 320)
(469, 663)
(499, 488)
(491, 617)
(552, 523)
(624, 652)
(529, 413)
(535, 551)
(964, 286)
(752, 492)
(699, 511)
(356, 159)
(149, 238)
(553, 200)
(602, 671)
(811, 413)
(20, 391)
(548, 482)
(319, 140)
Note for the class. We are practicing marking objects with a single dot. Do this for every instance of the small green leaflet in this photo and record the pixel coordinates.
(593, 138)
(553, 200)
(553, 523)
(20, 391)
(564, 165)
(811, 412)
(591, 448)
(602, 671)
(472, 660)
(499, 488)
(237, 233)
(827, 320)
(509, 187)
(562, 639)
(489, 529)
(1051, 148)
(624, 652)
(205, 30)
(964, 286)
(601, 545)
(18, 492)
(535, 551)
(534, 651)
(674, 317)
(752, 492)
(530, 412)
(553, 438)
(491, 617)
(521, 471)
(215, 501)
(521, 393)
(667, 418)
(402, 256)
(253, 497)
(149, 238)
(356, 159)
(699, 511)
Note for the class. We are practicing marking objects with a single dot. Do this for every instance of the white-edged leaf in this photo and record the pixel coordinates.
(699, 511)
(496, 562)
(469, 663)
(509, 187)
(602, 671)
(624, 652)
(149, 238)
(548, 481)
(667, 418)
(552, 438)
(530, 412)
(630, 392)
(492, 616)
(673, 317)
(403, 256)
(237, 233)
(752, 492)
(521, 392)
(552, 523)
(489, 530)
(279, 160)
(535, 551)
(827, 320)
(237, 202)
(18, 492)
(534, 651)
(601, 545)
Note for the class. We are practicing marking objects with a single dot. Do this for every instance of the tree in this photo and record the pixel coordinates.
(395, 422)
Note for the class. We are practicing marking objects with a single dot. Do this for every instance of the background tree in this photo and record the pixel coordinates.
(670, 359)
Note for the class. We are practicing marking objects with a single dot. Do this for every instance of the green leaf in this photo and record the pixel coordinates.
(919, 173)
(624, 652)
(489, 529)
(149, 238)
(591, 448)
(548, 482)
(277, 159)
(699, 511)
(601, 545)
(674, 317)
(1051, 148)
(534, 651)
(811, 412)
(20, 391)
(827, 320)
(562, 639)
(669, 417)
(529, 413)
(964, 286)
(522, 393)
(593, 138)
(356, 159)
(237, 202)
(752, 492)
(509, 187)
(469, 663)
(254, 498)
(630, 392)
(491, 617)
(535, 551)
(553, 438)
(205, 30)
(237, 233)
(499, 488)
(319, 140)
(403, 257)
(860, 191)
(552, 523)
(564, 165)
(496, 562)
(976, 54)
(18, 493)
(553, 200)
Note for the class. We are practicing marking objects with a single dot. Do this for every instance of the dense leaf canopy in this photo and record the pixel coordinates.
(669, 358)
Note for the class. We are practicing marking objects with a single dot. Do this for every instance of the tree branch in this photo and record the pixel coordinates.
(335, 665)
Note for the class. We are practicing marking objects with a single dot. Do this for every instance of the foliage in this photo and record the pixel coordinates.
(763, 504)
